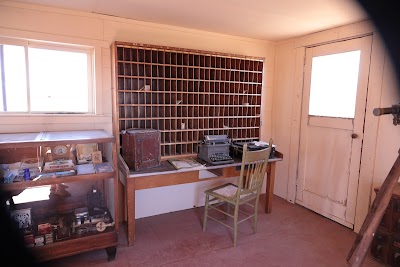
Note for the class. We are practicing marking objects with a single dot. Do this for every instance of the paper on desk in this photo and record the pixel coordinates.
(186, 163)
(204, 174)
(262, 143)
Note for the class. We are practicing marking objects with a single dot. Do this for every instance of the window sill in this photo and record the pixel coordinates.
(29, 119)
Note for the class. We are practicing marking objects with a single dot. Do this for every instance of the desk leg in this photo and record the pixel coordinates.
(270, 187)
(130, 203)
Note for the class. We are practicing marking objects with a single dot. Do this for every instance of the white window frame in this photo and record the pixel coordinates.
(89, 50)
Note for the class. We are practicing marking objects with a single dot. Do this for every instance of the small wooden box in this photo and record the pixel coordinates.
(141, 148)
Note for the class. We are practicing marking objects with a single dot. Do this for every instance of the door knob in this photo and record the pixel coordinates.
(354, 135)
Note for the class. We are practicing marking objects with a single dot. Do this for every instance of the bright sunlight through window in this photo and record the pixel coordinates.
(14, 80)
(334, 80)
(45, 79)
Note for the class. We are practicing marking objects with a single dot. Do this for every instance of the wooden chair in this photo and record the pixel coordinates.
(253, 168)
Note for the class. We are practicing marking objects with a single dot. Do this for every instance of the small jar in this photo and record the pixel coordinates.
(27, 174)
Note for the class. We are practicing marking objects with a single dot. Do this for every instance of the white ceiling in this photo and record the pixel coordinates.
(272, 20)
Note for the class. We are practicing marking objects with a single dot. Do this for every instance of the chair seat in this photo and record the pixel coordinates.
(228, 191)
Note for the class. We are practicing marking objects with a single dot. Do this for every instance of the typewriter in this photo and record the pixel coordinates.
(214, 149)
(237, 147)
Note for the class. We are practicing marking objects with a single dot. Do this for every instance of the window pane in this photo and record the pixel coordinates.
(14, 79)
(58, 81)
(334, 85)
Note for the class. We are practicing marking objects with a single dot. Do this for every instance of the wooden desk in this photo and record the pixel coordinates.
(167, 175)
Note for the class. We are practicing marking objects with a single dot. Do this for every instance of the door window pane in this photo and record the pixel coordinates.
(334, 81)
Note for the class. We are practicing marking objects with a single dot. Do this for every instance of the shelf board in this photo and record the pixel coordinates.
(185, 79)
(14, 140)
(81, 244)
(51, 181)
(184, 92)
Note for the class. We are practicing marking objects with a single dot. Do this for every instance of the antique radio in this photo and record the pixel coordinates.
(141, 148)
(215, 149)
(81, 215)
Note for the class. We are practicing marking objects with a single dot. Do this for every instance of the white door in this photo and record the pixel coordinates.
(332, 121)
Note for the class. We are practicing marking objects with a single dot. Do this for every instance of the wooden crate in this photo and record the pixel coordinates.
(141, 148)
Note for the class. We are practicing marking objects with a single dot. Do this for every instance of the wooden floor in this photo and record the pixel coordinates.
(290, 236)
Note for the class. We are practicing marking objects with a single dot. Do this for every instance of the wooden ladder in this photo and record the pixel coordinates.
(364, 238)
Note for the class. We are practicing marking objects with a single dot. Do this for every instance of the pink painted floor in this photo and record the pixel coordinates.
(290, 236)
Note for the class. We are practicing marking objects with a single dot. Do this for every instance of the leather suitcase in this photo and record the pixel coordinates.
(141, 148)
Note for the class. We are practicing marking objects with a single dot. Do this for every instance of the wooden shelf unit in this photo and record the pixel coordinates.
(187, 94)
(15, 146)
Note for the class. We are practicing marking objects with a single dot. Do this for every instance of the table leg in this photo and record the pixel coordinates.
(111, 252)
(130, 203)
(270, 187)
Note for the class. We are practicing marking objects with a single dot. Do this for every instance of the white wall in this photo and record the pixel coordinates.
(388, 136)
(284, 101)
(381, 137)
(28, 22)
(65, 26)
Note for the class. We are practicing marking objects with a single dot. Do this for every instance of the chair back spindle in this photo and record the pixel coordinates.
(253, 169)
